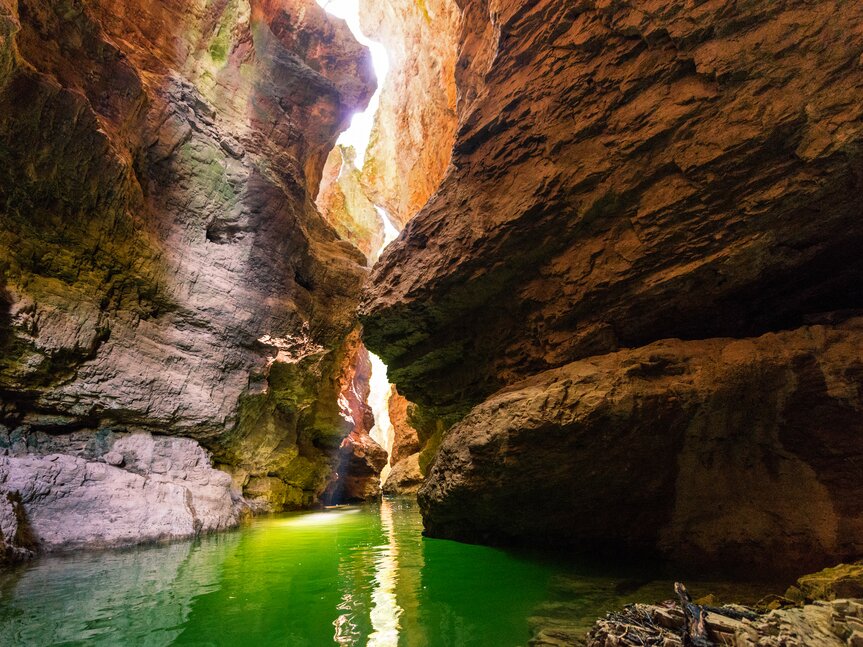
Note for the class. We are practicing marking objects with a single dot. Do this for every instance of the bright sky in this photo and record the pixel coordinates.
(357, 135)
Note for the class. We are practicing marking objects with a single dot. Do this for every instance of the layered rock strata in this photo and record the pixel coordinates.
(741, 455)
(164, 268)
(345, 203)
(827, 624)
(624, 173)
(414, 128)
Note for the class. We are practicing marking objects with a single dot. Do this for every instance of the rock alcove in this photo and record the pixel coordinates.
(624, 308)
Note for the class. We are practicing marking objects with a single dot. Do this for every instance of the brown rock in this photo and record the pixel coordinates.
(405, 477)
(163, 265)
(842, 581)
(405, 440)
(414, 130)
(736, 455)
(344, 203)
(625, 172)
(358, 476)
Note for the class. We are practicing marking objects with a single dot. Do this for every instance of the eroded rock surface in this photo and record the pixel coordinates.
(405, 477)
(625, 172)
(143, 488)
(826, 624)
(345, 203)
(163, 265)
(406, 440)
(740, 455)
(415, 126)
(357, 477)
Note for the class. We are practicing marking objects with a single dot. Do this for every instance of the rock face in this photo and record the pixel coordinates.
(406, 441)
(357, 478)
(16, 540)
(143, 488)
(344, 203)
(740, 455)
(414, 128)
(843, 581)
(405, 477)
(626, 172)
(163, 265)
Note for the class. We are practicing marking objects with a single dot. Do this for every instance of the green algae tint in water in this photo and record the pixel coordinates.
(349, 576)
(353, 576)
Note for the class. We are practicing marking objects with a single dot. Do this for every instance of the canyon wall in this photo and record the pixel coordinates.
(625, 173)
(163, 267)
(414, 129)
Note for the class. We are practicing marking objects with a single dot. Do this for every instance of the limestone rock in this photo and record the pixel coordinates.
(736, 455)
(163, 265)
(625, 172)
(167, 490)
(405, 477)
(415, 126)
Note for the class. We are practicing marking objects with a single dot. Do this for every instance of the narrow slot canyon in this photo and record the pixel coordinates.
(431, 323)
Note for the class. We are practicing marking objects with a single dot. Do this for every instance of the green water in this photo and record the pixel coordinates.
(349, 576)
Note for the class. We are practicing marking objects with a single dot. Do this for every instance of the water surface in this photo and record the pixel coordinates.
(359, 575)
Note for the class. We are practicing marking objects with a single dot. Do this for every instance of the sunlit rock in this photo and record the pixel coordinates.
(163, 265)
(624, 173)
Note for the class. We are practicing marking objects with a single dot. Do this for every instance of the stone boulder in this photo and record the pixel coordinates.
(405, 477)
(842, 581)
(358, 476)
(166, 489)
(731, 454)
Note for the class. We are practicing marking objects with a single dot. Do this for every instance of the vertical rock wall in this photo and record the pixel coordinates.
(162, 264)
(627, 172)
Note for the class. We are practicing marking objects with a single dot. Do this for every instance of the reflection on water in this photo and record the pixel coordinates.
(355, 576)
(385, 609)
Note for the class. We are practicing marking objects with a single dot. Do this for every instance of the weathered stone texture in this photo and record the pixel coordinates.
(162, 488)
(734, 455)
(162, 263)
(625, 172)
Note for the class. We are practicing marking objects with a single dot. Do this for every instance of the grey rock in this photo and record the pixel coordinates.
(114, 458)
(168, 490)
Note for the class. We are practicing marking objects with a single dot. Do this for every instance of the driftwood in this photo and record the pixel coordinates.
(694, 629)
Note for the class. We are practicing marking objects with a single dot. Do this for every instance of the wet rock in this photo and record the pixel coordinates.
(732, 455)
(405, 477)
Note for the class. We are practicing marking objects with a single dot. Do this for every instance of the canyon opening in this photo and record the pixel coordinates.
(431, 323)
